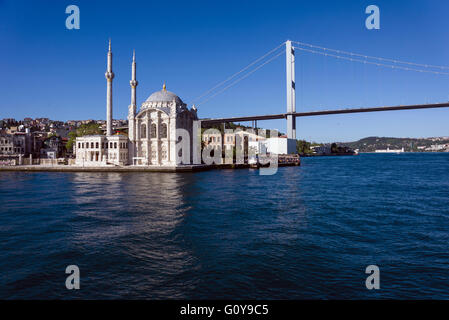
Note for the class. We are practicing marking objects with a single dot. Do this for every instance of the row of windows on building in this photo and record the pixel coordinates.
(211, 139)
(4, 141)
(104, 145)
(164, 154)
(218, 139)
(162, 133)
(229, 139)
(95, 156)
(10, 149)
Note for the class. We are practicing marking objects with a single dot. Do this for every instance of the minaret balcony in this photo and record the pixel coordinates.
(109, 75)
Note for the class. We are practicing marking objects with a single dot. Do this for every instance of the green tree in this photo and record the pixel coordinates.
(84, 130)
(302, 146)
(334, 148)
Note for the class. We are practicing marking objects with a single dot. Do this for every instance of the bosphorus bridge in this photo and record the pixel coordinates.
(291, 113)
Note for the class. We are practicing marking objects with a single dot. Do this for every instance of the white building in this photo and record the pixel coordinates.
(388, 150)
(321, 150)
(252, 143)
(153, 131)
(99, 150)
(281, 145)
(437, 147)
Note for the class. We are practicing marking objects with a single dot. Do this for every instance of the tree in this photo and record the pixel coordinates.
(302, 146)
(83, 130)
(334, 148)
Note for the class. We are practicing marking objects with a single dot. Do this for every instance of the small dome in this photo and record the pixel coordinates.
(164, 96)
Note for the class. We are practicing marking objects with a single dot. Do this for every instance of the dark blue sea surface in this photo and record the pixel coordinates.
(306, 232)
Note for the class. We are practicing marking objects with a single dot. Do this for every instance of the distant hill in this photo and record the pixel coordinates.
(370, 144)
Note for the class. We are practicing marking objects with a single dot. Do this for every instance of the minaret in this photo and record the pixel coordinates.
(133, 83)
(132, 111)
(109, 76)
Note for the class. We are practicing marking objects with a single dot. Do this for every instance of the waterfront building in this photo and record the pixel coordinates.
(437, 147)
(280, 145)
(52, 148)
(252, 143)
(153, 130)
(15, 146)
(100, 150)
(213, 138)
(248, 138)
(388, 150)
(321, 150)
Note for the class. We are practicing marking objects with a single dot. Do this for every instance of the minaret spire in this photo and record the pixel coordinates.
(133, 83)
(109, 76)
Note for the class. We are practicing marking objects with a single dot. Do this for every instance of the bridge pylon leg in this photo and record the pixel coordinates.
(291, 90)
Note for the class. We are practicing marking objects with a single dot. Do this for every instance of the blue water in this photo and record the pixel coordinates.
(305, 233)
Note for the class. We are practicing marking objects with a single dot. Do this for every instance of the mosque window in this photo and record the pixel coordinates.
(91, 145)
(96, 145)
(143, 131)
(153, 130)
(164, 131)
(115, 145)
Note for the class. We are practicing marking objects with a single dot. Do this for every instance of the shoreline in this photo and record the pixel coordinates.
(186, 168)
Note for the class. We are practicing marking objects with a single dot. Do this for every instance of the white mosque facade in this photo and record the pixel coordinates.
(158, 133)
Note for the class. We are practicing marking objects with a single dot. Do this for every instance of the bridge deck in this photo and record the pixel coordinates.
(324, 112)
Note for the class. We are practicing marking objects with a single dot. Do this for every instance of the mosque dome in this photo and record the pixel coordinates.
(164, 96)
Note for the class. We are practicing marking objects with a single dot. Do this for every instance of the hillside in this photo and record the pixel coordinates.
(370, 144)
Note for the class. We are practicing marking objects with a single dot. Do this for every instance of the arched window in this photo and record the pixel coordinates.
(164, 130)
(143, 131)
(153, 130)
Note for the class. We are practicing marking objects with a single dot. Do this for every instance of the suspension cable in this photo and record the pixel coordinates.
(241, 78)
(371, 57)
(370, 62)
(237, 73)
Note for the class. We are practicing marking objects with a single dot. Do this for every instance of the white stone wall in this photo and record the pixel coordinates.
(281, 145)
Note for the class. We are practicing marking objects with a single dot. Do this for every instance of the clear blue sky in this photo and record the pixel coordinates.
(47, 70)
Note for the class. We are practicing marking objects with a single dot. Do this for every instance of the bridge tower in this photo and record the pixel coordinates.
(291, 95)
